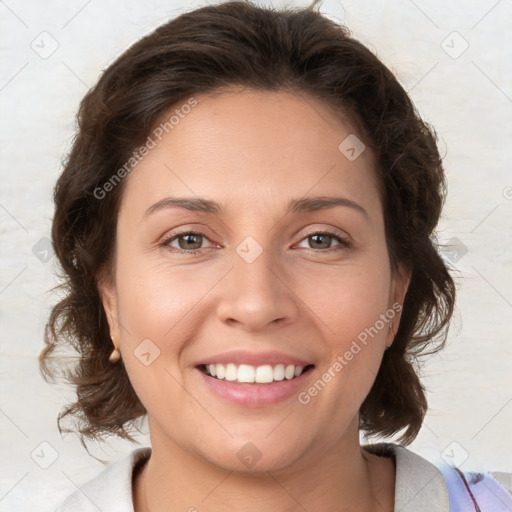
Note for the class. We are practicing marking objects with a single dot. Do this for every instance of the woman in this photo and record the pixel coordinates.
(244, 223)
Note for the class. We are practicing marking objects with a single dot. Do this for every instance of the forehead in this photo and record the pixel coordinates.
(258, 146)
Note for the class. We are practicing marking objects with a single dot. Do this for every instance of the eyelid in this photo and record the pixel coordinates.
(330, 230)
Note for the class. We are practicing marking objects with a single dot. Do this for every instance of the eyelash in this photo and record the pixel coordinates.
(344, 243)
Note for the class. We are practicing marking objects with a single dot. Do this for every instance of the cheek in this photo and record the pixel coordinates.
(156, 300)
(158, 311)
(352, 306)
(350, 300)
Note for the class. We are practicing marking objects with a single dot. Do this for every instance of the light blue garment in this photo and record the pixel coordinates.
(482, 492)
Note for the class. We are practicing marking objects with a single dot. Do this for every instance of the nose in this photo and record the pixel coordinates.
(257, 294)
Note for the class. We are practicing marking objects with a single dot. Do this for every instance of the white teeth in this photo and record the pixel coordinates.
(220, 371)
(264, 374)
(289, 372)
(231, 372)
(245, 373)
(279, 372)
(254, 374)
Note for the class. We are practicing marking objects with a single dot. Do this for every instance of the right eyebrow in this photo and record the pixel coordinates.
(191, 204)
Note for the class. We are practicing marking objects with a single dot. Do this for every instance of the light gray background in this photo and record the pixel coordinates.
(468, 99)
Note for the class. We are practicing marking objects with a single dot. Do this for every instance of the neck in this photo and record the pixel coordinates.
(342, 478)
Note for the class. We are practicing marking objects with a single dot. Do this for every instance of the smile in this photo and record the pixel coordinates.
(248, 374)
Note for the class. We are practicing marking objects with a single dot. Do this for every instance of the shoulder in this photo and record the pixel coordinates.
(421, 485)
(111, 490)
(471, 490)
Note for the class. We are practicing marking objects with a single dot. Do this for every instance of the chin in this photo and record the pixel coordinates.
(254, 457)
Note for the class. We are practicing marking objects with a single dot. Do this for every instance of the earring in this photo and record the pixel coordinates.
(115, 355)
(389, 346)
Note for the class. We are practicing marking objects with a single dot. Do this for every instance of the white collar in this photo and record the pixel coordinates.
(420, 486)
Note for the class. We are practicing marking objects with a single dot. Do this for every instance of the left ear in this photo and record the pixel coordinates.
(399, 287)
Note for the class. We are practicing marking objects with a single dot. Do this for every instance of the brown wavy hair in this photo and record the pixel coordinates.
(205, 50)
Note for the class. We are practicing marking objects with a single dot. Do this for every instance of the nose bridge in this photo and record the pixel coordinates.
(255, 266)
(257, 293)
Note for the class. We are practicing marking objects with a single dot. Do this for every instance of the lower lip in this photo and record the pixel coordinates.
(255, 395)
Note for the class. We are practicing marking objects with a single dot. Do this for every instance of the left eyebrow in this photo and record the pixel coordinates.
(305, 204)
(311, 204)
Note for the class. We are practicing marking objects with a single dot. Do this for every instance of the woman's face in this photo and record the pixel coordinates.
(269, 282)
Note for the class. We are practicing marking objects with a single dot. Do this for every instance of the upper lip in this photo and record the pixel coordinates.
(239, 357)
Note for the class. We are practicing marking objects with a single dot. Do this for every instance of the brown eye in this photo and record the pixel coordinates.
(188, 242)
(321, 241)
(324, 239)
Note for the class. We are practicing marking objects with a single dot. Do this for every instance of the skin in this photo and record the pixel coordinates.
(252, 152)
